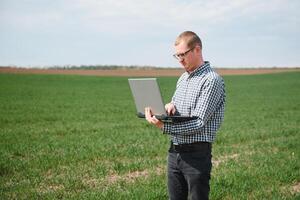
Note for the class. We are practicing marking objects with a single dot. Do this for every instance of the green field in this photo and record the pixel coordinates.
(77, 137)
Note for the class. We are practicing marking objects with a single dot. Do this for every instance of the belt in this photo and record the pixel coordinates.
(193, 147)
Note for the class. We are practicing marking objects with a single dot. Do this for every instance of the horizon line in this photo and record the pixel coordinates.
(98, 66)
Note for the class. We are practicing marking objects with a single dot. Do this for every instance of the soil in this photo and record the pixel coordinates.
(139, 72)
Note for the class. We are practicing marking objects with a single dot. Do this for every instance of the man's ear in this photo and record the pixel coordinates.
(198, 48)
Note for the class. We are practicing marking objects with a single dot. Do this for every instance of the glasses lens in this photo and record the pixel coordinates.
(182, 55)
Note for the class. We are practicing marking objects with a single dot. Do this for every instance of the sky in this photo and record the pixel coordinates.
(234, 33)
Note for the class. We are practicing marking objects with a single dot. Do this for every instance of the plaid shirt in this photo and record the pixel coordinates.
(202, 94)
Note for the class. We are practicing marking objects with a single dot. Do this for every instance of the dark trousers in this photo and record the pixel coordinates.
(189, 173)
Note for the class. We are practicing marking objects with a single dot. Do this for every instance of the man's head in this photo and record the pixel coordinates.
(188, 48)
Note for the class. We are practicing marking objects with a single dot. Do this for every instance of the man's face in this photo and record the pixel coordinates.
(186, 56)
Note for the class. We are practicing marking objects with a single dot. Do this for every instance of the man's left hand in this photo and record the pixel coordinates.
(152, 119)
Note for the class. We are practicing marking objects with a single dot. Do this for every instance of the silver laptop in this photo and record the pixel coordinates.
(146, 93)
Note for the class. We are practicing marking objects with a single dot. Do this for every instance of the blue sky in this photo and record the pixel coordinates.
(235, 33)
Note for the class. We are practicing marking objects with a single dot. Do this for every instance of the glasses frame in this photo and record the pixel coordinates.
(182, 55)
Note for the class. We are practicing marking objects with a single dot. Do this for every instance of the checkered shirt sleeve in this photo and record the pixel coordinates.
(200, 94)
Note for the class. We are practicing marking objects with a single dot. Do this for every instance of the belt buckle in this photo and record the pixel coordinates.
(176, 148)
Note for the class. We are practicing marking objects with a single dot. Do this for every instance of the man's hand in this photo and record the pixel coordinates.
(152, 119)
(170, 108)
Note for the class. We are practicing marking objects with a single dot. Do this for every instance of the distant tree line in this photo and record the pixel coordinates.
(108, 67)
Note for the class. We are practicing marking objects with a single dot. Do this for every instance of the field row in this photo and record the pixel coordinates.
(77, 137)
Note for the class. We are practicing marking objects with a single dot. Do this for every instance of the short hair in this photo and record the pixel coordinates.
(191, 39)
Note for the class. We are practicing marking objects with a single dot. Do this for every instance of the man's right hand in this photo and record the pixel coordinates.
(170, 108)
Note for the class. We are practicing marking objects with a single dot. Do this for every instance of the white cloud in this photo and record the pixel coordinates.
(164, 13)
(145, 27)
(133, 15)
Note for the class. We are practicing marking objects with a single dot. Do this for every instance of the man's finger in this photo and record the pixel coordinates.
(148, 115)
(173, 110)
(170, 108)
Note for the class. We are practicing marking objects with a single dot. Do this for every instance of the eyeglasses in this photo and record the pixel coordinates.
(182, 55)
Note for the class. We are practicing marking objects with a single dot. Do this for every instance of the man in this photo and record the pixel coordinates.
(200, 92)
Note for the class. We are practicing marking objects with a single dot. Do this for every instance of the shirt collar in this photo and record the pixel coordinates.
(200, 69)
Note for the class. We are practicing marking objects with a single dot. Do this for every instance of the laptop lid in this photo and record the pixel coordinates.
(146, 93)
